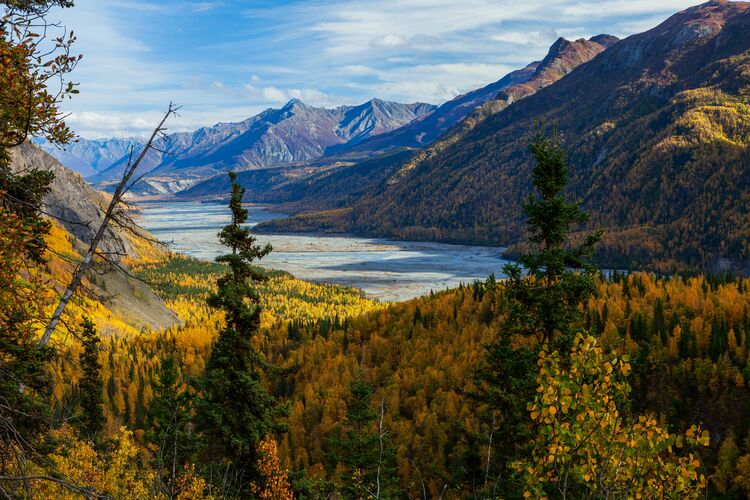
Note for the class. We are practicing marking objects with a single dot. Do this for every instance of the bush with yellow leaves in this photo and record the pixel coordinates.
(114, 472)
(584, 446)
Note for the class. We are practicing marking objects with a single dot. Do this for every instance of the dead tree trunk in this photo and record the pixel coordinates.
(112, 210)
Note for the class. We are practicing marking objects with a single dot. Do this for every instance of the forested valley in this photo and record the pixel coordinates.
(560, 380)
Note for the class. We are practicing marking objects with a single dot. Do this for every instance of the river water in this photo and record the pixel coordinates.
(384, 269)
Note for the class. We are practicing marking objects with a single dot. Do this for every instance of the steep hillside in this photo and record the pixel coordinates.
(77, 211)
(657, 128)
(86, 156)
(295, 133)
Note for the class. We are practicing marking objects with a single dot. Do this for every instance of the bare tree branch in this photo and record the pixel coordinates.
(114, 205)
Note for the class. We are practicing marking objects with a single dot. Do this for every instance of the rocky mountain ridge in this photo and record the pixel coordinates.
(294, 133)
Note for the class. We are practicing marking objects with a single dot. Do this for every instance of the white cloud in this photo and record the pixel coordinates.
(525, 37)
(205, 6)
(433, 83)
(391, 41)
(139, 55)
(358, 70)
(276, 95)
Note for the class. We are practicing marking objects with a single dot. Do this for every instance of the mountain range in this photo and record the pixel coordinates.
(292, 134)
(90, 156)
(656, 126)
(657, 129)
(382, 156)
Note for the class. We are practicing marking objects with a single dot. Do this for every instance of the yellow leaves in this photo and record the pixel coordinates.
(641, 464)
(115, 472)
(275, 484)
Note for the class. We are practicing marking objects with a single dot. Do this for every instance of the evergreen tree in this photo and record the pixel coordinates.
(25, 382)
(91, 386)
(545, 289)
(362, 450)
(542, 297)
(236, 411)
(169, 435)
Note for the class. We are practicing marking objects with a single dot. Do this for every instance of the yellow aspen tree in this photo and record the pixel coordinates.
(585, 447)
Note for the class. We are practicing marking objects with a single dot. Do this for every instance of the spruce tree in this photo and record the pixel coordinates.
(170, 417)
(547, 286)
(363, 451)
(542, 296)
(91, 386)
(236, 411)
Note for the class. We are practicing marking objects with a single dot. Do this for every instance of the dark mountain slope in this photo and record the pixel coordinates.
(657, 129)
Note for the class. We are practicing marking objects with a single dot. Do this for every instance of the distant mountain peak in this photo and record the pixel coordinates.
(292, 103)
(556, 48)
(563, 57)
(604, 40)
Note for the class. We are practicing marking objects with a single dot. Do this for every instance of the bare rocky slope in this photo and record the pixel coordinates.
(79, 209)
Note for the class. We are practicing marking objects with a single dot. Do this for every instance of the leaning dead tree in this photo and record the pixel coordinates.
(113, 214)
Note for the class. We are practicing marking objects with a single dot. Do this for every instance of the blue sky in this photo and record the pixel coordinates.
(226, 60)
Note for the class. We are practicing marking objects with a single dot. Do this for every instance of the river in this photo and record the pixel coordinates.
(384, 269)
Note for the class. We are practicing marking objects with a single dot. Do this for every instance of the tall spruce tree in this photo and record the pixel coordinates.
(542, 296)
(91, 386)
(549, 283)
(236, 411)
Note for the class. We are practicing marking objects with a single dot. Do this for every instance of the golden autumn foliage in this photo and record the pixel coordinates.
(20, 283)
(420, 355)
(275, 482)
(586, 447)
(115, 472)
